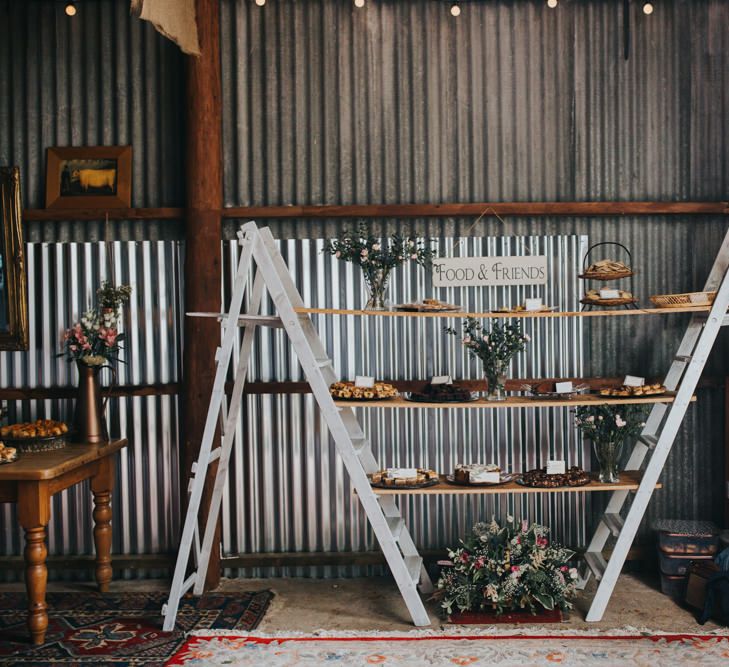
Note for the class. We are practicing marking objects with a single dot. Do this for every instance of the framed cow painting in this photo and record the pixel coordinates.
(89, 177)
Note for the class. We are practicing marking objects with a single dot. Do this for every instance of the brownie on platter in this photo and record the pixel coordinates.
(442, 393)
(539, 478)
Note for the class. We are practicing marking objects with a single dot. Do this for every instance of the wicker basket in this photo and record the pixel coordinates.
(683, 300)
(587, 275)
(610, 303)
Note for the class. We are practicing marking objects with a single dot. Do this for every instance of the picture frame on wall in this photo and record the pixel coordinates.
(96, 177)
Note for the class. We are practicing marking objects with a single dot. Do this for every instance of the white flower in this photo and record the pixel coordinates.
(365, 252)
(466, 340)
(375, 246)
(619, 422)
(509, 518)
(599, 418)
(413, 256)
(527, 337)
(573, 573)
(338, 254)
(590, 419)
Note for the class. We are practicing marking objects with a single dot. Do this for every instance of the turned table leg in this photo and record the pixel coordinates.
(101, 486)
(34, 510)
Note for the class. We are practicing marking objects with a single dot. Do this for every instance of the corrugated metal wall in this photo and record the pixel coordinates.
(61, 282)
(400, 102)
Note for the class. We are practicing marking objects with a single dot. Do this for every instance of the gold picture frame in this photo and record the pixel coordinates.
(13, 301)
(89, 177)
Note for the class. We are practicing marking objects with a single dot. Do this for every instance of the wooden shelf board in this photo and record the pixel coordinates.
(512, 402)
(492, 315)
(629, 480)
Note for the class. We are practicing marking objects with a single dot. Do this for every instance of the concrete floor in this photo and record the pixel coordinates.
(374, 603)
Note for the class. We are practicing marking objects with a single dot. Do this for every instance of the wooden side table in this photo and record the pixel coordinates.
(31, 482)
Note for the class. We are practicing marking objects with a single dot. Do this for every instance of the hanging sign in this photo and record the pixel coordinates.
(488, 271)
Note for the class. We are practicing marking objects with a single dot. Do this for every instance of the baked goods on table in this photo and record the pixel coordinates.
(523, 309)
(404, 477)
(442, 393)
(347, 391)
(594, 295)
(540, 479)
(7, 454)
(40, 428)
(429, 306)
(626, 391)
(607, 269)
(477, 473)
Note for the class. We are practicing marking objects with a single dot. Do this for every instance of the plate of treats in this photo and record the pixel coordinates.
(442, 393)
(479, 474)
(7, 454)
(430, 306)
(38, 436)
(548, 390)
(346, 391)
(538, 478)
(592, 298)
(523, 309)
(626, 391)
(606, 269)
(403, 478)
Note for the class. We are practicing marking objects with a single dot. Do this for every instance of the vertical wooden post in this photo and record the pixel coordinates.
(204, 188)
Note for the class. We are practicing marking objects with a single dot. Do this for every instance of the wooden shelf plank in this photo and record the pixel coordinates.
(493, 315)
(629, 480)
(91, 214)
(512, 402)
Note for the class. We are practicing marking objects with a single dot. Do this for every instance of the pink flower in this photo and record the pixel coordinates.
(337, 254)
(479, 563)
(464, 557)
(413, 256)
(542, 542)
(564, 568)
(466, 340)
(514, 568)
(524, 526)
(365, 252)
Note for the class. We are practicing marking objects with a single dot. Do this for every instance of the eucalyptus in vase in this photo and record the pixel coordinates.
(377, 258)
(495, 349)
(608, 427)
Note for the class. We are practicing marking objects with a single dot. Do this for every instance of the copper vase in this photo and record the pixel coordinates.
(89, 421)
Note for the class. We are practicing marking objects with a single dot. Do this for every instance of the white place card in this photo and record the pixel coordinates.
(609, 293)
(533, 304)
(556, 467)
(441, 379)
(698, 298)
(563, 387)
(364, 381)
(633, 381)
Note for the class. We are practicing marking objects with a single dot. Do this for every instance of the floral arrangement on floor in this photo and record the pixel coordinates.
(608, 427)
(495, 348)
(377, 257)
(507, 567)
(95, 339)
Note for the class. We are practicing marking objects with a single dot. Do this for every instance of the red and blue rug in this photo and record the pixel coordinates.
(123, 630)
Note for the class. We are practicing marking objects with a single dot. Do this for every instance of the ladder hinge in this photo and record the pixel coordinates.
(649, 440)
(193, 468)
(164, 610)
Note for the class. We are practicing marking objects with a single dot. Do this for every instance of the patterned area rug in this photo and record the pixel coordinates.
(118, 629)
(461, 651)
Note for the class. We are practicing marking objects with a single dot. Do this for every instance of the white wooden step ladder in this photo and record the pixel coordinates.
(258, 250)
(655, 442)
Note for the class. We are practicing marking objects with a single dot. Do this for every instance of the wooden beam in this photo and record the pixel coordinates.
(593, 208)
(59, 215)
(45, 393)
(203, 232)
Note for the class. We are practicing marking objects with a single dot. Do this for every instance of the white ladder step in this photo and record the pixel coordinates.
(413, 565)
(614, 522)
(649, 440)
(395, 524)
(596, 563)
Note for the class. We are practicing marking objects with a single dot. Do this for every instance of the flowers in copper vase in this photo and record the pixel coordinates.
(95, 338)
(506, 567)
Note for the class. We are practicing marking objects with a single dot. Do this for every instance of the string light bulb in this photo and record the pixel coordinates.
(552, 3)
(260, 3)
(359, 3)
(71, 8)
(648, 8)
(455, 10)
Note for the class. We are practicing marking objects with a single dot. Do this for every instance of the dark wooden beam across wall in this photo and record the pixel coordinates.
(203, 231)
(528, 209)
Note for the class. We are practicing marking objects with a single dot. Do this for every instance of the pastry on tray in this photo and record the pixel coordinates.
(594, 296)
(539, 478)
(522, 309)
(7, 454)
(442, 393)
(404, 477)
(429, 306)
(607, 268)
(477, 473)
(347, 391)
(625, 391)
(41, 428)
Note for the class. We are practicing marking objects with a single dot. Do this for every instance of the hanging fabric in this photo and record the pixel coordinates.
(175, 19)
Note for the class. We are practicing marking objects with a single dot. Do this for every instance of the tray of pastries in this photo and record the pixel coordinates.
(625, 391)
(7, 454)
(442, 393)
(429, 306)
(539, 478)
(592, 298)
(607, 269)
(548, 390)
(346, 391)
(403, 478)
(479, 474)
(522, 309)
(38, 436)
